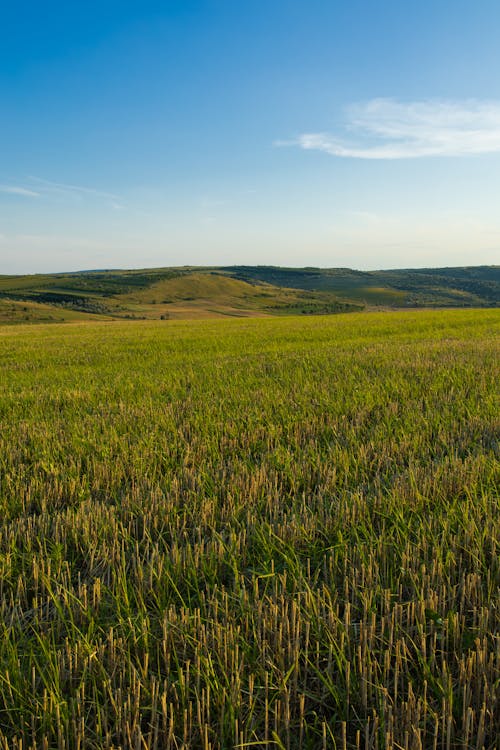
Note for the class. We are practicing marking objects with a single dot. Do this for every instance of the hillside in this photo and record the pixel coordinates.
(477, 286)
(238, 291)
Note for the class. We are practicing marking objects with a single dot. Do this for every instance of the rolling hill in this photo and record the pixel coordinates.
(477, 286)
(238, 291)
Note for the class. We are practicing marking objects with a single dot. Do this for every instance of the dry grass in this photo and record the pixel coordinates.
(264, 533)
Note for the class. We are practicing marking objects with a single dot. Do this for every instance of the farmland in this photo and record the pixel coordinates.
(278, 532)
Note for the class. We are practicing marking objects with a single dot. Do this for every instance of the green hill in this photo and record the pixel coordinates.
(239, 291)
(476, 286)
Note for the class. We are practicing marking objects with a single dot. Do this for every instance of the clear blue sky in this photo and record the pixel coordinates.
(354, 133)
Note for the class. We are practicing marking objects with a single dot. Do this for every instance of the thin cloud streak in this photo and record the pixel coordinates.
(13, 190)
(62, 187)
(388, 129)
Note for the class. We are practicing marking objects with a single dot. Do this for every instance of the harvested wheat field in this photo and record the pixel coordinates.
(256, 533)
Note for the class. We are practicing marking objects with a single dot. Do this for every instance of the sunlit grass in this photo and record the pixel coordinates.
(258, 533)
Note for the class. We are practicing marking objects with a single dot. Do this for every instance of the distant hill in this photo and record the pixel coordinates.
(194, 292)
(475, 286)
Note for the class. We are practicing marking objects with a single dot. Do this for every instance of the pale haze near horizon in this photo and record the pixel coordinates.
(218, 133)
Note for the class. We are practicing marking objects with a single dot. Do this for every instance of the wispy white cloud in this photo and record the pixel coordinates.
(62, 187)
(38, 187)
(388, 129)
(14, 190)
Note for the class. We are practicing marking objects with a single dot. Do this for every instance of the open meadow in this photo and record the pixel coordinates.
(278, 532)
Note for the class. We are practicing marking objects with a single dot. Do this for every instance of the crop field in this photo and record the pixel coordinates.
(251, 533)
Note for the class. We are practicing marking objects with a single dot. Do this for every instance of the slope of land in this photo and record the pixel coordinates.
(239, 291)
(477, 286)
(274, 533)
(165, 293)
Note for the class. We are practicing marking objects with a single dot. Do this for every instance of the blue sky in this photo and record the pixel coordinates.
(361, 134)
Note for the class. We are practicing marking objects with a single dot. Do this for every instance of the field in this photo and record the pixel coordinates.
(257, 533)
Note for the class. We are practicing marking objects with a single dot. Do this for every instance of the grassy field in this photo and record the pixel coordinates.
(276, 532)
